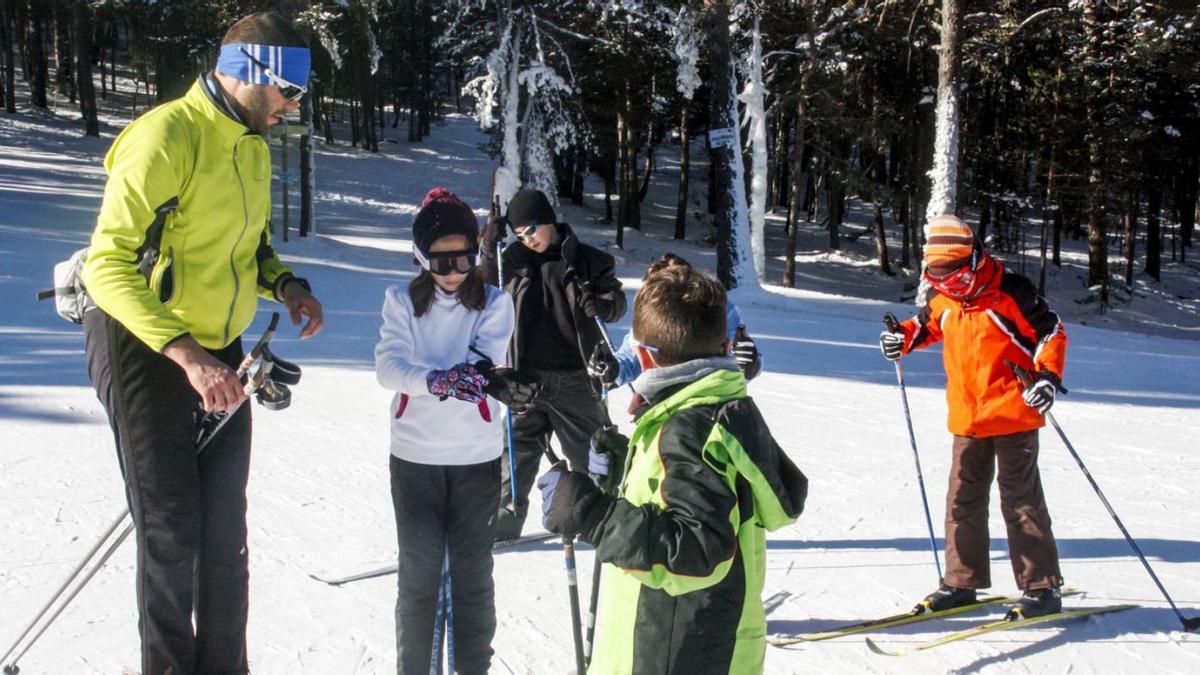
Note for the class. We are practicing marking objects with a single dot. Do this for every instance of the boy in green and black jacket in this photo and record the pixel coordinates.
(684, 542)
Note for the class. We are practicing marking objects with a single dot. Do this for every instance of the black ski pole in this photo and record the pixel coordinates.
(893, 326)
(594, 599)
(1189, 625)
(572, 579)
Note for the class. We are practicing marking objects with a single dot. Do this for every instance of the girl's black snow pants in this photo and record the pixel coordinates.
(442, 509)
(189, 510)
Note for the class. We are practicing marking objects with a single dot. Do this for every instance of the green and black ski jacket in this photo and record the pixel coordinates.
(685, 545)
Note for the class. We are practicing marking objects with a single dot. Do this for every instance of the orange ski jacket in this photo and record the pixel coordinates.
(1006, 320)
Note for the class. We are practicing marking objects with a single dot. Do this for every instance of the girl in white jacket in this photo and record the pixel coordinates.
(440, 337)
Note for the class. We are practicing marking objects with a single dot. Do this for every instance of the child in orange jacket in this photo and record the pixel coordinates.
(986, 316)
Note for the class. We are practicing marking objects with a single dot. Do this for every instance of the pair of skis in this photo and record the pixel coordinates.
(914, 617)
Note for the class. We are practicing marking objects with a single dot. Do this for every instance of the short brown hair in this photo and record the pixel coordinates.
(264, 28)
(680, 311)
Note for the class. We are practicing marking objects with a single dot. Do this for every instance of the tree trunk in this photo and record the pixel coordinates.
(83, 66)
(64, 81)
(797, 171)
(1056, 257)
(944, 188)
(881, 250)
(1097, 234)
(1154, 234)
(1130, 217)
(35, 42)
(10, 64)
(307, 179)
(685, 163)
(731, 219)
(1188, 192)
(837, 201)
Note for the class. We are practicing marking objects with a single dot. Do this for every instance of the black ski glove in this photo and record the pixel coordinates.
(607, 450)
(593, 305)
(493, 233)
(745, 352)
(508, 386)
(603, 365)
(572, 505)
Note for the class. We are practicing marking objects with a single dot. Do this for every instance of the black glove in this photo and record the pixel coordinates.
(595, 306)
(508, 386)
(571, 504)
(607, 450)
(603, 365)
(1039, 395)
(493, 233)
(745, 352)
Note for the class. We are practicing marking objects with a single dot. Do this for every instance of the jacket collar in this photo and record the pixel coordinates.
(206, 97)
(686, 385)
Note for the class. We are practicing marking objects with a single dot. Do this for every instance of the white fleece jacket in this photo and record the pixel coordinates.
(425, 429)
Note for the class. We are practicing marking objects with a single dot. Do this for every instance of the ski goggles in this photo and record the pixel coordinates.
(284, 67)
(444, 263)
(957, 284)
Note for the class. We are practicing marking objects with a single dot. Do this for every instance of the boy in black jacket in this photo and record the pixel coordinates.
(559, 286)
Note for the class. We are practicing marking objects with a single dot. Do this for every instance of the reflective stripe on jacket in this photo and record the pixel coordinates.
(685, 546)
(1007, 320)
(206, 179)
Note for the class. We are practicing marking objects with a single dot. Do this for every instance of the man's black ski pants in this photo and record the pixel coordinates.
(189, 509)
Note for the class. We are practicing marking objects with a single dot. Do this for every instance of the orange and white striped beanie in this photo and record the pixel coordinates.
(949, 245)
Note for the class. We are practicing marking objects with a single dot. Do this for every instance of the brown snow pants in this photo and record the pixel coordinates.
(1031, 545)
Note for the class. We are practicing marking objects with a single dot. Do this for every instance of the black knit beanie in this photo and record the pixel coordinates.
(443, 213)
(530, 207)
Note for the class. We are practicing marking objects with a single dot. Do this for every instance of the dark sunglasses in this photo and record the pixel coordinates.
(442, 264)
(290, 90)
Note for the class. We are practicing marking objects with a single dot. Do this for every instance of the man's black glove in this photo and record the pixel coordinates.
(603, 365)
(571, 504)
(513, 389)
(493, 233)
(595, 306)
(745, 352)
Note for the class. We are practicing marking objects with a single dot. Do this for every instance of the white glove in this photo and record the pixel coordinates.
(891, 344)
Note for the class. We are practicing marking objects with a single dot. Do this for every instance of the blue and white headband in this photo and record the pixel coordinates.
(251, 63)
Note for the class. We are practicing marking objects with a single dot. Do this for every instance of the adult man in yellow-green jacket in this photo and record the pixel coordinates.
(179, 256)
(685, 541)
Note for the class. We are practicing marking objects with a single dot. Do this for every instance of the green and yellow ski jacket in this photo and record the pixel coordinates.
(182, 244)
(685, 545)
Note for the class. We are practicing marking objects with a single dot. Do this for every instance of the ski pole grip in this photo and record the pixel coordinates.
(890, 322)
(1025, 377)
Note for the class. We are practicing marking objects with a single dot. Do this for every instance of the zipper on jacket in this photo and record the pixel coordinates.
(232, 251)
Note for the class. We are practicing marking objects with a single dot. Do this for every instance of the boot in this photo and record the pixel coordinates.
(1038, 602)
(945, 597)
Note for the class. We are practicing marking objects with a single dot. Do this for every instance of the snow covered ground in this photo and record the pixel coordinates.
(319, 498)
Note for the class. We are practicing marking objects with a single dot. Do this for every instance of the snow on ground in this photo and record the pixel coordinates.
(319, 497)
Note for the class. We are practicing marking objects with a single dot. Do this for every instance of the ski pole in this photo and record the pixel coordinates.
(12, 668)
(1189, 625)
(572, 580)
(512, 461)
(889, 320)
(594, 599)
(62, 589)
(208, 431)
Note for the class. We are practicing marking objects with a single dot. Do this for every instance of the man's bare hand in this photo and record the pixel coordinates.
(300, 303)
(216, 383)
